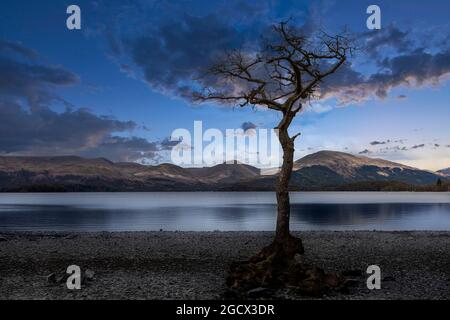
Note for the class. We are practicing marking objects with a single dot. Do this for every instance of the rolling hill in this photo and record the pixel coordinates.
(328, 170)
(445, 172)
(325, 170)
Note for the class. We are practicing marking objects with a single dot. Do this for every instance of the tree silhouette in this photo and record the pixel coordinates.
(283, 75)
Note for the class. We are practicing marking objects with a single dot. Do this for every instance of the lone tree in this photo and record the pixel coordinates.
(283, 75)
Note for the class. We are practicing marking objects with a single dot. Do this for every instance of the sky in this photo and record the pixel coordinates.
(117, 88)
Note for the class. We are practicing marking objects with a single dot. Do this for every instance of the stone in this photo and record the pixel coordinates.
(259, 292)
(89, 275)
(51, 278)
(3, 239)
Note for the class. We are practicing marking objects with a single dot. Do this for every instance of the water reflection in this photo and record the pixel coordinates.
(217, 211)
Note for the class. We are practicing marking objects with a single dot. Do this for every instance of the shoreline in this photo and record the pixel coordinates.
(192, 265)
(229, 191)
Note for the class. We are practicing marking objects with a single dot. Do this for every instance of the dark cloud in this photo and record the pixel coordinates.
(43, 130)
(172, 55)
(418, 67)
(397, 148)
(384, 142)
(29, 125)
(388, 37)
(172, 58)
(171, 50)
(22, 77)
(16, 48)
(77, 132)
(365, 152)
(168, 144)
(375, 143)
(413, 69)
(401, 61)
(248, 125)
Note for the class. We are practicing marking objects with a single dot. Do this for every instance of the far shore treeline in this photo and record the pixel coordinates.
(369, 186)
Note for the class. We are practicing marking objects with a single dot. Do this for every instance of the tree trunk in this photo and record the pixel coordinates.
(284, 247)
(282, 189)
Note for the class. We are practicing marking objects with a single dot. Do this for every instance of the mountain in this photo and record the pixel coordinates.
(445, 172)
(79, 174)
(328, 170)
(325, 170)
(225, 173)
(350, 168)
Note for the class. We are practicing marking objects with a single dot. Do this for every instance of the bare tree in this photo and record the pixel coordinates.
(283, 76)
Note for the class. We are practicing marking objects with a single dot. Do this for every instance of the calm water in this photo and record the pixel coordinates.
(222, 211)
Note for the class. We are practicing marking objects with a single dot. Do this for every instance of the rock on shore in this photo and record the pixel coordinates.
(192, 265)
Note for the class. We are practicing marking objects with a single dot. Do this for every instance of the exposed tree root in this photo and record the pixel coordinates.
(275, 267)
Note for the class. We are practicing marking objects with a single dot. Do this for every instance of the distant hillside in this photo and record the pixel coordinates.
(350, 168)
(330, 170)
(79, 174)
(445, 172)
(325, 170)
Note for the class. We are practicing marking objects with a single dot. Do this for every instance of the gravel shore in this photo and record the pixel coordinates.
(192, 265)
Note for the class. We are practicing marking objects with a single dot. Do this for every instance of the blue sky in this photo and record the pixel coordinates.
(114, 88)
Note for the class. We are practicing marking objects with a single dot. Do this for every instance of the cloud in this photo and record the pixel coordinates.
(22, 77)
(388, 37)
(168, 144)
(174, 54)
(414, 70)
(375, 143)
(365, 152)
(29, 125)
(318, 107)
(173, 50)
(248, 126)
(39, 131)
(17, 48)
(124, 149)
(170, 51)
(387, 146)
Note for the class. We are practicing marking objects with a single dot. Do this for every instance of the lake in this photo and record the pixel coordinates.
(224, 211)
